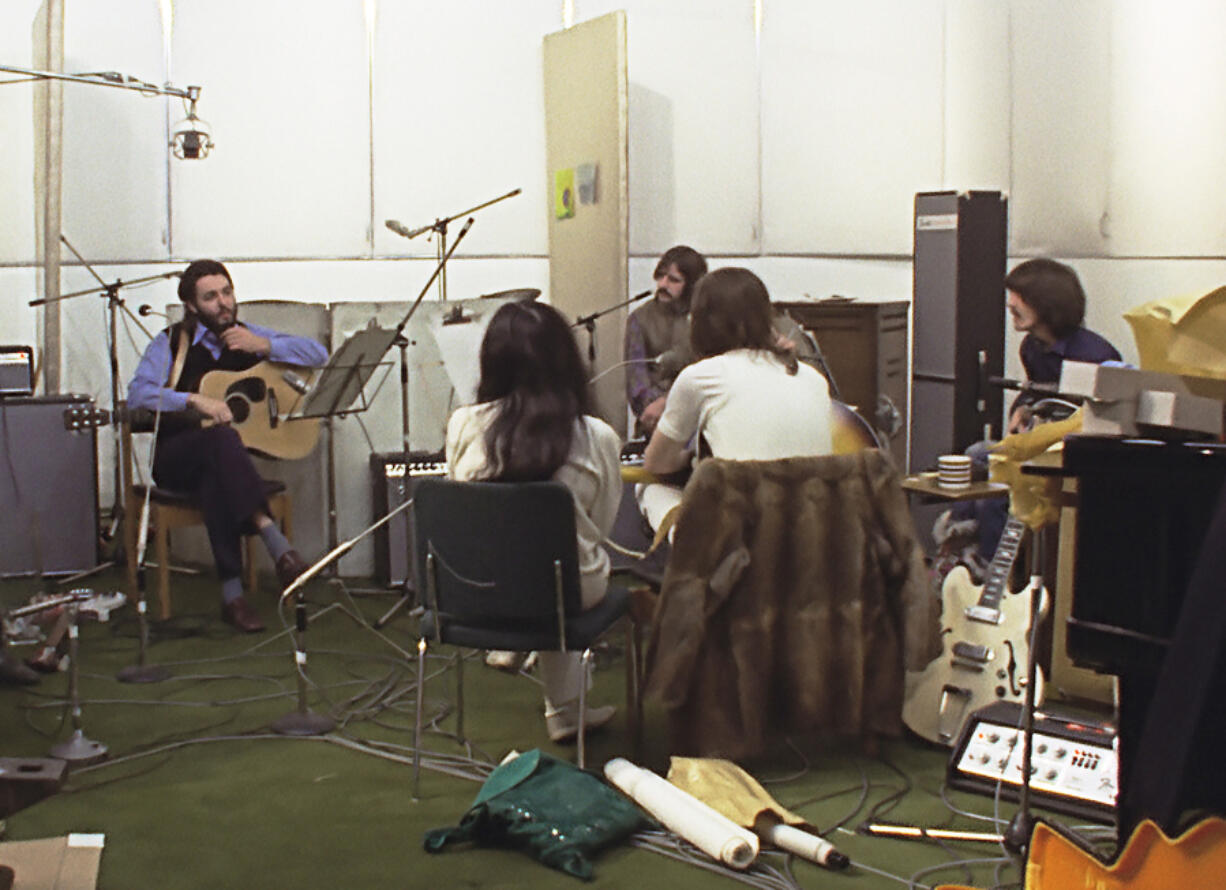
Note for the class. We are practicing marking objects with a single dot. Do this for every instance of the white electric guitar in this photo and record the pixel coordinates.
(985, 648)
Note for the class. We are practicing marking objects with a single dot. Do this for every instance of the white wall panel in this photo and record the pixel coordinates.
(1061, 124)
(693, 123)
(1168, 183)
(976, 96)
(851, 122)
(17, 144)
(114, 187)
(285, 90)
(459, 119)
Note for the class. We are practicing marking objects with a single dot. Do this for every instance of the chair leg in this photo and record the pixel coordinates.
(250, 581)
(459, 695)
(634, 694)
(287, 516)
(421, 695)
(162, 550)
(586, 661)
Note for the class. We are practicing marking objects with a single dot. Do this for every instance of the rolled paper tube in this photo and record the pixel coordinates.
(810, 846)
(683, 814)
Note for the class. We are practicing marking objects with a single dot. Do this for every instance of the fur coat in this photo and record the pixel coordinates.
(795, 596)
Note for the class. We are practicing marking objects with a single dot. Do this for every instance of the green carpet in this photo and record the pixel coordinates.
(197, 793)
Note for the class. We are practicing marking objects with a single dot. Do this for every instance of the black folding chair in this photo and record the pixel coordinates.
(498, 563)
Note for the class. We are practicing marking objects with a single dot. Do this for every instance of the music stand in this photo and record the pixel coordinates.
(343, 379)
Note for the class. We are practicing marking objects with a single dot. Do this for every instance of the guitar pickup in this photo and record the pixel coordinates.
(984, 615)
(971, 655)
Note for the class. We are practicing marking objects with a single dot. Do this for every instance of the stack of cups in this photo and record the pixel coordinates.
(954, 472)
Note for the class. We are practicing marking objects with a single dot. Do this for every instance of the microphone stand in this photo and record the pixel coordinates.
(402, 342)
(303, 721)
(588, 322)
(440, 226)
(1017, 834)
(143, 672)
(78, 749)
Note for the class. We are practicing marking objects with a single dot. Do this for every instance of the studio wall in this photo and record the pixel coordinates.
(786, 135)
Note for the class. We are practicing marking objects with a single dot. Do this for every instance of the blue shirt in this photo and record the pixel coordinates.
(148, 389)
(1043, 361)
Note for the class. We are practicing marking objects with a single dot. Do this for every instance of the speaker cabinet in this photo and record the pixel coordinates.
(393, 479)
(959, 321)
(865, 347)
(48, 488)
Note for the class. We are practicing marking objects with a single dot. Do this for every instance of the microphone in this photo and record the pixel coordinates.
(637, 297)
(457, 316)
(296, 383)
(398, 227)
(1024, 385)
(670, 362)
(404, 231)
(146, 310)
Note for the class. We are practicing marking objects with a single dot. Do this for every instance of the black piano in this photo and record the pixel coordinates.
(1149, 604)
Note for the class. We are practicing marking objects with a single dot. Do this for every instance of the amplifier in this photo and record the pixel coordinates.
(16, 370)
(392, 479)
(48, 487)
(1074, 766)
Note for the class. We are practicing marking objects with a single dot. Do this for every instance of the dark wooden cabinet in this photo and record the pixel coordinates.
(865, 347)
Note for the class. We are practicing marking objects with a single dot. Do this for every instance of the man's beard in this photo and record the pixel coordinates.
(218, 327)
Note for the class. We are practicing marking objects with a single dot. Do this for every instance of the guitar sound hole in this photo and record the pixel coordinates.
(254, 389)
(239, 407)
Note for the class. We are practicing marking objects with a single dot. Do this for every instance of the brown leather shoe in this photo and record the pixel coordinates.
(289, 567)
(240, 615)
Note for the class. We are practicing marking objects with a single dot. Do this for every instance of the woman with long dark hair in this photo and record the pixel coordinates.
(530, 423)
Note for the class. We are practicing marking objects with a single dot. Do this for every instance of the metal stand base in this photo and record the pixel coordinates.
(79, 750)
(143, 673)
(303, 723)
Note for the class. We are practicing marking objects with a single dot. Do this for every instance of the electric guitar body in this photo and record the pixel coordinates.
(261, 400)
(985, 648)
(1149, 861)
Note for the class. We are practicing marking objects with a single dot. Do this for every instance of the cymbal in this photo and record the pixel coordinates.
(519, 294)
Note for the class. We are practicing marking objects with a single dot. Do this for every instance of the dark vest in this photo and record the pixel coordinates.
(665, 330)
(198, 363)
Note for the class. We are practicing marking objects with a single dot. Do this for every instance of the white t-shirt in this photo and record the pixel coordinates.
(592, 472)
(748, 407)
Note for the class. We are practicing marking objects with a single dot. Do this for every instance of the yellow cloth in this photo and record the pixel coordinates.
(1033, 499)
(1184, 335)
(729, 790)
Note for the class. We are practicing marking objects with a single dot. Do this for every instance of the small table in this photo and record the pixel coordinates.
(926, 484)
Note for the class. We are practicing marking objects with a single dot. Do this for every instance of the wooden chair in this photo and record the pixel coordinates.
(169, 510)
(499, 565)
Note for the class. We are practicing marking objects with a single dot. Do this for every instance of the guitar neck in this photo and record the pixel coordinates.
(996, 583)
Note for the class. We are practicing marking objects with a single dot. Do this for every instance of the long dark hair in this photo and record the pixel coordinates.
(732, 310)
(530, 366)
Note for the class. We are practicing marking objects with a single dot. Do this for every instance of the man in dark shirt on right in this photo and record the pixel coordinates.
(1048, 304)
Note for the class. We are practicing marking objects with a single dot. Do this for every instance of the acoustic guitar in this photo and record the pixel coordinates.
(985, 648)
(261, 400)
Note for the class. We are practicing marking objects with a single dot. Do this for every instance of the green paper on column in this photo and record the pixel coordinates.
(564, 193)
